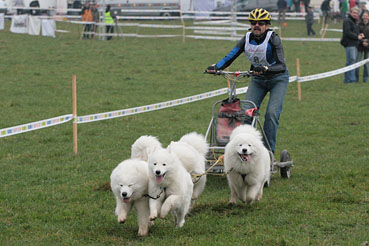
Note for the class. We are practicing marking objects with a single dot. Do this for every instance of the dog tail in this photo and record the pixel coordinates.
(144, 146)
(197, 141)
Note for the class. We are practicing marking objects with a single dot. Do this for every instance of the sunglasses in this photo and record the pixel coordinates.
(261, 23)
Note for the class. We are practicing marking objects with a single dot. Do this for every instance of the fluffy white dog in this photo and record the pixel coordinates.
(129, 183)
(144, 146)
(247, 164)
(171, 183)
(191, 150)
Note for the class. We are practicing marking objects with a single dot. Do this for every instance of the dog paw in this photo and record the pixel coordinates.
(143, 232)
(152, 218)
(121, 221)
(231, 203)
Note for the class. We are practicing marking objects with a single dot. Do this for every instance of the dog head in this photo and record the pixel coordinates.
(129, 180)
(246, 147)
(126, 191)
(161, 164)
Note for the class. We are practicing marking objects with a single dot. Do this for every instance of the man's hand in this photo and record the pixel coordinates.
(212, 69)
(260, 70)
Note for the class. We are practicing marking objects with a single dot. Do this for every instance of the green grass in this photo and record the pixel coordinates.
(50, 197)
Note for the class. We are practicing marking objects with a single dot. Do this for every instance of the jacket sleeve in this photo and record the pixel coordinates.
(349, 32)
(278, 54)
(232, 55)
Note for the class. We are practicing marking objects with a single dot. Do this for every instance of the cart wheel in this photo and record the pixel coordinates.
(285, 171)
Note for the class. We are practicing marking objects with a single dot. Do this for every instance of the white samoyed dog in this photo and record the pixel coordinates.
(144, 146)
(191, 150)
(129, 183)
(247, 164)
(170, 186)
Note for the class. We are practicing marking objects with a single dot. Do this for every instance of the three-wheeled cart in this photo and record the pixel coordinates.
(228, 114)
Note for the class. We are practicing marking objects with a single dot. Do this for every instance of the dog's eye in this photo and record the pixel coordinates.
(249, 145)
(240, 145)
(121, 185)
(130, 185)
(164, 164)
(154, 164)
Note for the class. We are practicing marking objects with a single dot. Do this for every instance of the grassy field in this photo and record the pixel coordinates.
(50, 197)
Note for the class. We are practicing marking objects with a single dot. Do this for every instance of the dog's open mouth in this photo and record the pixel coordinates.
(245, 157)
(126, 199)
(159, 178)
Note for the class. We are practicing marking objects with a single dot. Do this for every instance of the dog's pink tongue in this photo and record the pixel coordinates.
(248, 158)
(159, 179)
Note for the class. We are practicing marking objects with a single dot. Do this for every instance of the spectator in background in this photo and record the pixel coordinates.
(325, 7)
(344, 8)
(336, 10)
(306, 5)
(352, 3)
(87, 17)
(95, 17)
(296, 3)
(363, 48)
(350, 40)
(282, 7)
(109, 22)
(363, 9)
(309, 19)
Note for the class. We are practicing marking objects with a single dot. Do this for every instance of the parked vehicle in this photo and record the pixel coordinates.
(249, 5)
(143, 7)
(3, 7)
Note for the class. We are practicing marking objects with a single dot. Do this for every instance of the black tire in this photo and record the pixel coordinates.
(285, 171)
(166, 14)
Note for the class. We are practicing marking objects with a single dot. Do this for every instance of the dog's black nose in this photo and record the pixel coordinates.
(157, 172)
(244, 151)
(124, 194)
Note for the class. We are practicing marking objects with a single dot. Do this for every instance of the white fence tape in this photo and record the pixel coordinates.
(331, 73)
(157, 106)
(152, 107)
(35, 125)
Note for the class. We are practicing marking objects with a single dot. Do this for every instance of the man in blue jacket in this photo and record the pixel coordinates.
(263, 48)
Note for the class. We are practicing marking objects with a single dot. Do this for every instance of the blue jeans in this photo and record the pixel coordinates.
(351, 54)
(277, 87)
(359, 58)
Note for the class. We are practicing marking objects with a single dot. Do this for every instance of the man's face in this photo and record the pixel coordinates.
(355, 14)
(258, 27)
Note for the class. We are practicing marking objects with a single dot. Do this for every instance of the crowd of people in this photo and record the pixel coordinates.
(91, 14)
(355, 41)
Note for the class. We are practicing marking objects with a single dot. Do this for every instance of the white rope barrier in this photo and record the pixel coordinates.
(157, 106)
(35, 125)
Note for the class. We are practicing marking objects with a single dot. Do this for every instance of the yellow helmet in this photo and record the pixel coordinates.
(259, 15)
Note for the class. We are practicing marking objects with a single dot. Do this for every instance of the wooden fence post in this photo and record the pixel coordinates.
(298, 75)
(74, 92)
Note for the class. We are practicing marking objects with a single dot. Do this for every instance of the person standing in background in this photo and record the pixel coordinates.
(350, 40)
(363, 48)
(95, 17)
(87, 17)
(109, 22)
(309, 19)
(344, 8)
(282, 7)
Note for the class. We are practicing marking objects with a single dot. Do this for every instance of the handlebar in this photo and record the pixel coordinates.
(232, 75)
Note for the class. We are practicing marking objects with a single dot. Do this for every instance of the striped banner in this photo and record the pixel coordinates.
(153, 107)
(35, 125)
(331, 73)
(142, 109)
